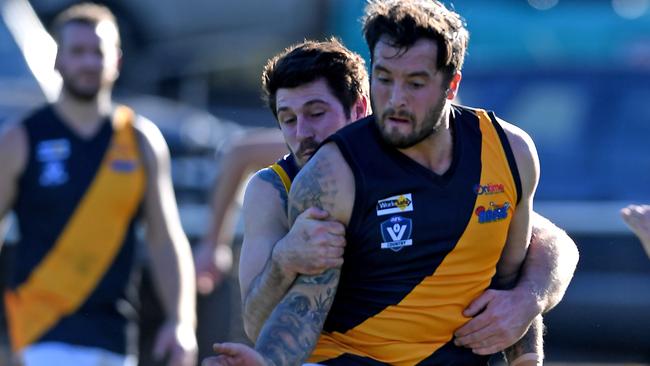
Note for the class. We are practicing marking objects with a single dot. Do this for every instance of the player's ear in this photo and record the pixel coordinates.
(360, 109)
(454, 84)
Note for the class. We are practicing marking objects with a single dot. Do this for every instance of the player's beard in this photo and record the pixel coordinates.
(431, 123)
(84, 94)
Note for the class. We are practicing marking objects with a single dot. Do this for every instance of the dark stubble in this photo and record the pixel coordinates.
(431, 124)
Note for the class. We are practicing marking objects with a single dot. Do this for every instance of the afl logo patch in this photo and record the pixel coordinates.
(396, 233)
(395, 204)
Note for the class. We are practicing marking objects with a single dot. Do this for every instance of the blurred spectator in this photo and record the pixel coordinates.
(77, 174)
(637, 217)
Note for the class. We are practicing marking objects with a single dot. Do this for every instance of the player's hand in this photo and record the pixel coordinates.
(499, 320)
(178, 343)
(314, 243)
(212, 265)
(637, 217)
(234, 354)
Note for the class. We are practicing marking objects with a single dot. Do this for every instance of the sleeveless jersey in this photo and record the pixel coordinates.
(421, 246)
(61, 172)
(287, 169)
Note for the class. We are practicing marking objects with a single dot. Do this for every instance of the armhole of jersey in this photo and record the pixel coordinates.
(346, 151)
(129, 119)
(286, 182)
(509, 154)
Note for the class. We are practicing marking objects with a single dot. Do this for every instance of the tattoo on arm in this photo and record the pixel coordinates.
(295, 325)
(270, 176)
(315, 187)
(265, 292)
(531, 342)
(292, 330)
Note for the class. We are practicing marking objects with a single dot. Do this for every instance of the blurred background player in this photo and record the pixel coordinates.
(78, 173)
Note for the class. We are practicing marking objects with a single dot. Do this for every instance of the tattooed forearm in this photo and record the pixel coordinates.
(531, 342)
(266, 291)
(313, 187)
(294, 327)
(270, 176)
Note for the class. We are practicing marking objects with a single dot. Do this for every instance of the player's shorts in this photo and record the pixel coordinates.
(63, 354)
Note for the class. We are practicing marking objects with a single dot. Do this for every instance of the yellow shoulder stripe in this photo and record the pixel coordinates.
(283, 176)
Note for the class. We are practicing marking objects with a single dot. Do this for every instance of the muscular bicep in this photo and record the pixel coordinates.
(265, 223)
(519, 233)
(326, 182)
(292, 330)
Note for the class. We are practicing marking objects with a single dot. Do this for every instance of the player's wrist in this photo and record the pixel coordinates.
(530, 298)
(281, 265)
(527, 359)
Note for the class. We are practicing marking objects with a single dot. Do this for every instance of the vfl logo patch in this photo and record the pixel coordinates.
(493, 213)
(395, 204)
(396, 233)
(489, 188)
(52, 154)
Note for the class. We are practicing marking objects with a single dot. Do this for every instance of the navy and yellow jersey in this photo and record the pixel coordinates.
(76, 205)
(286, 169)
(421, 246)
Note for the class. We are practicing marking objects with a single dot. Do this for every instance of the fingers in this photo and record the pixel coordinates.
(331, 226)
(315, 213)
(334, 241)
(476, 338)
(637, 217)
(226, 348)
(336, 228)
(479, 304)
(484, 341)
(488, 347)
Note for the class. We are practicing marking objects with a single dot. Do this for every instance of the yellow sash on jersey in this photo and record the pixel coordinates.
(87, 246)
(425, 320)
(279, 170)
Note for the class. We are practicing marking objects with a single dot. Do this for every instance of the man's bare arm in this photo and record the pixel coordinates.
(169, 251)
(262, 281)
(294, 327)
(529, 350)
(272, 256)
(13, 154)
(551, 261)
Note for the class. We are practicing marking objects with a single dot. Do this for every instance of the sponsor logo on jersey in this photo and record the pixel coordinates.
(123, 166)
(395, 204)
(396, 233)
(489, 188)
(53, 150)
(492, 213)
(121, 160)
